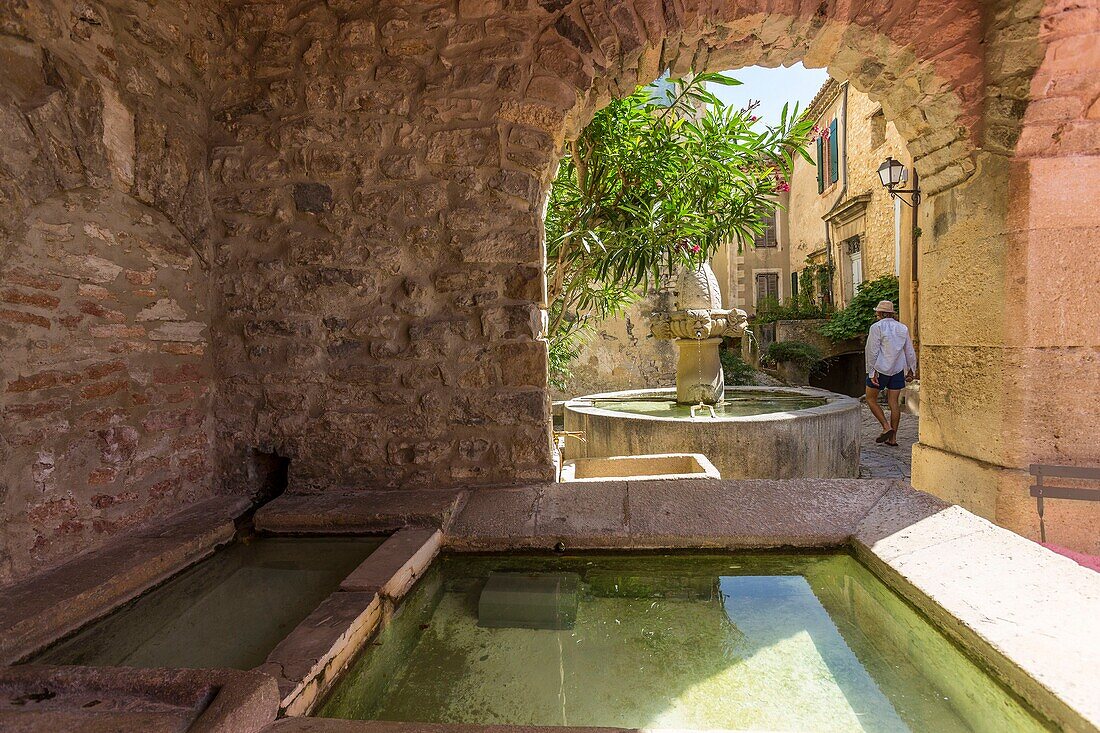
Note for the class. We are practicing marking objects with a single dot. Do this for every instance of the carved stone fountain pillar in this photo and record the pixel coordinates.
(697, 322)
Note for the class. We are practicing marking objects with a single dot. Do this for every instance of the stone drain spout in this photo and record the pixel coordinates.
(697, 323)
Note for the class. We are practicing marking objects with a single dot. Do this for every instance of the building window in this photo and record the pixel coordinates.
(767, 238)
(878, 129)
(767, 287)
(855, 257)
(828, 157)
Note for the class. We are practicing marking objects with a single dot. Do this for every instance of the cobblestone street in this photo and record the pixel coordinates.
(886, 461)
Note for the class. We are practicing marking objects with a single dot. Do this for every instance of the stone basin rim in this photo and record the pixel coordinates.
(835, 402)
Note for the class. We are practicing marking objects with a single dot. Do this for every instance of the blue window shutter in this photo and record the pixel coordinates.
(833, 152)
(820, 165)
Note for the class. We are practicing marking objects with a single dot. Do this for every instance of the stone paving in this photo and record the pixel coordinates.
(886, 461)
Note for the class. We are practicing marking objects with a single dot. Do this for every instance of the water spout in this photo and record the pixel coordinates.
(703, 406)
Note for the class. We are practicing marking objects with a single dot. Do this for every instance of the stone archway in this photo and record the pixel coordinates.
(962, 110)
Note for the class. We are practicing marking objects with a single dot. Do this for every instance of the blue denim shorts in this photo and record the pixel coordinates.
(888, 381)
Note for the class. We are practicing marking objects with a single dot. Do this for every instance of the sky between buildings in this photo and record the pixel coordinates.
(773, 87)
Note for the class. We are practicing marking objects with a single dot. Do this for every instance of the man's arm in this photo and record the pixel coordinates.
(873, 348)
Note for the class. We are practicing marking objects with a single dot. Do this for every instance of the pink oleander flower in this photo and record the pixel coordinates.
(783, 187)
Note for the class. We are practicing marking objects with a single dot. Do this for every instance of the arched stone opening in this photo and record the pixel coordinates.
(986, 410)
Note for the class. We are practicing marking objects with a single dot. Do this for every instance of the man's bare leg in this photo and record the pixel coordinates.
(876, 408)
(893, 397)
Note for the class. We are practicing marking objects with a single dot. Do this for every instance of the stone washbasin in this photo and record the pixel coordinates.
(639, 468)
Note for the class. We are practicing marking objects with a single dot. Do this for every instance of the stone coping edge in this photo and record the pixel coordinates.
(316, 651)
(41, 609)
(1027, 614)
(334, 725)
(665, 514)
(215, 700)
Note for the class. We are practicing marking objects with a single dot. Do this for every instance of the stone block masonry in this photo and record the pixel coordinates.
(106, 379)
(381, 263)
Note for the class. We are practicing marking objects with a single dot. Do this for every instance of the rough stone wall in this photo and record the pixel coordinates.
(623, 354)
(381, 252)
(105, 381)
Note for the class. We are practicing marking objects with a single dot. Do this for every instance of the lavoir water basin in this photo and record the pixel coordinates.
(742, 641)
(229, 610)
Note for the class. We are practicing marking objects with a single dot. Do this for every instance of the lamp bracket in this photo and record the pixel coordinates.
(914, 192)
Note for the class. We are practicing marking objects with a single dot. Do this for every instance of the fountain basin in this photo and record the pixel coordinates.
(757, 432)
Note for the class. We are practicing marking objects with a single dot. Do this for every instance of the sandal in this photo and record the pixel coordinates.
(892, 442)
(886, 437)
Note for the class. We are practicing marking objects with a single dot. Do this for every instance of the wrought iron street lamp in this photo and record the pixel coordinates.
(893, 174)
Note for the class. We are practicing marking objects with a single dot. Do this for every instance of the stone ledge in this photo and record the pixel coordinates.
(1029, 614)
(666, 514)
(121, 700)
(364, 512)
(319, 647)
(40, 609)
(393, 568)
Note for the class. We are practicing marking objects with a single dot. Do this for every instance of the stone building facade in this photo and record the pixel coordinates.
(839, 213)
(235, 234)
(757, 270)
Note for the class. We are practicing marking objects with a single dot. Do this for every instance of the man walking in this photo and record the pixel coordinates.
(891, 362)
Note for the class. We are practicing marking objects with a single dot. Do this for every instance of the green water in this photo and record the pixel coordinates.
(741, 403)
(229, 610)
(755, 642)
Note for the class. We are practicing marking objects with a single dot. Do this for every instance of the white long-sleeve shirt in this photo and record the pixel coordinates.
(889, 348)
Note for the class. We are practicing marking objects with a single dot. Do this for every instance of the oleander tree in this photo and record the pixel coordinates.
(656, 180)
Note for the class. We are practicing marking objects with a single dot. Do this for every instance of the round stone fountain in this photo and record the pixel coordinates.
(746, 432)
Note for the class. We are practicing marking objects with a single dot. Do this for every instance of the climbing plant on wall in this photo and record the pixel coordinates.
(854, 319)
(653, 181)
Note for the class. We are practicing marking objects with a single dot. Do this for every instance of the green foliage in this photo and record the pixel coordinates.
(651, 184)
(561, 354)
(813, 282)
(854, 320)
(771, 310)
(736, 370)
(801, 353)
